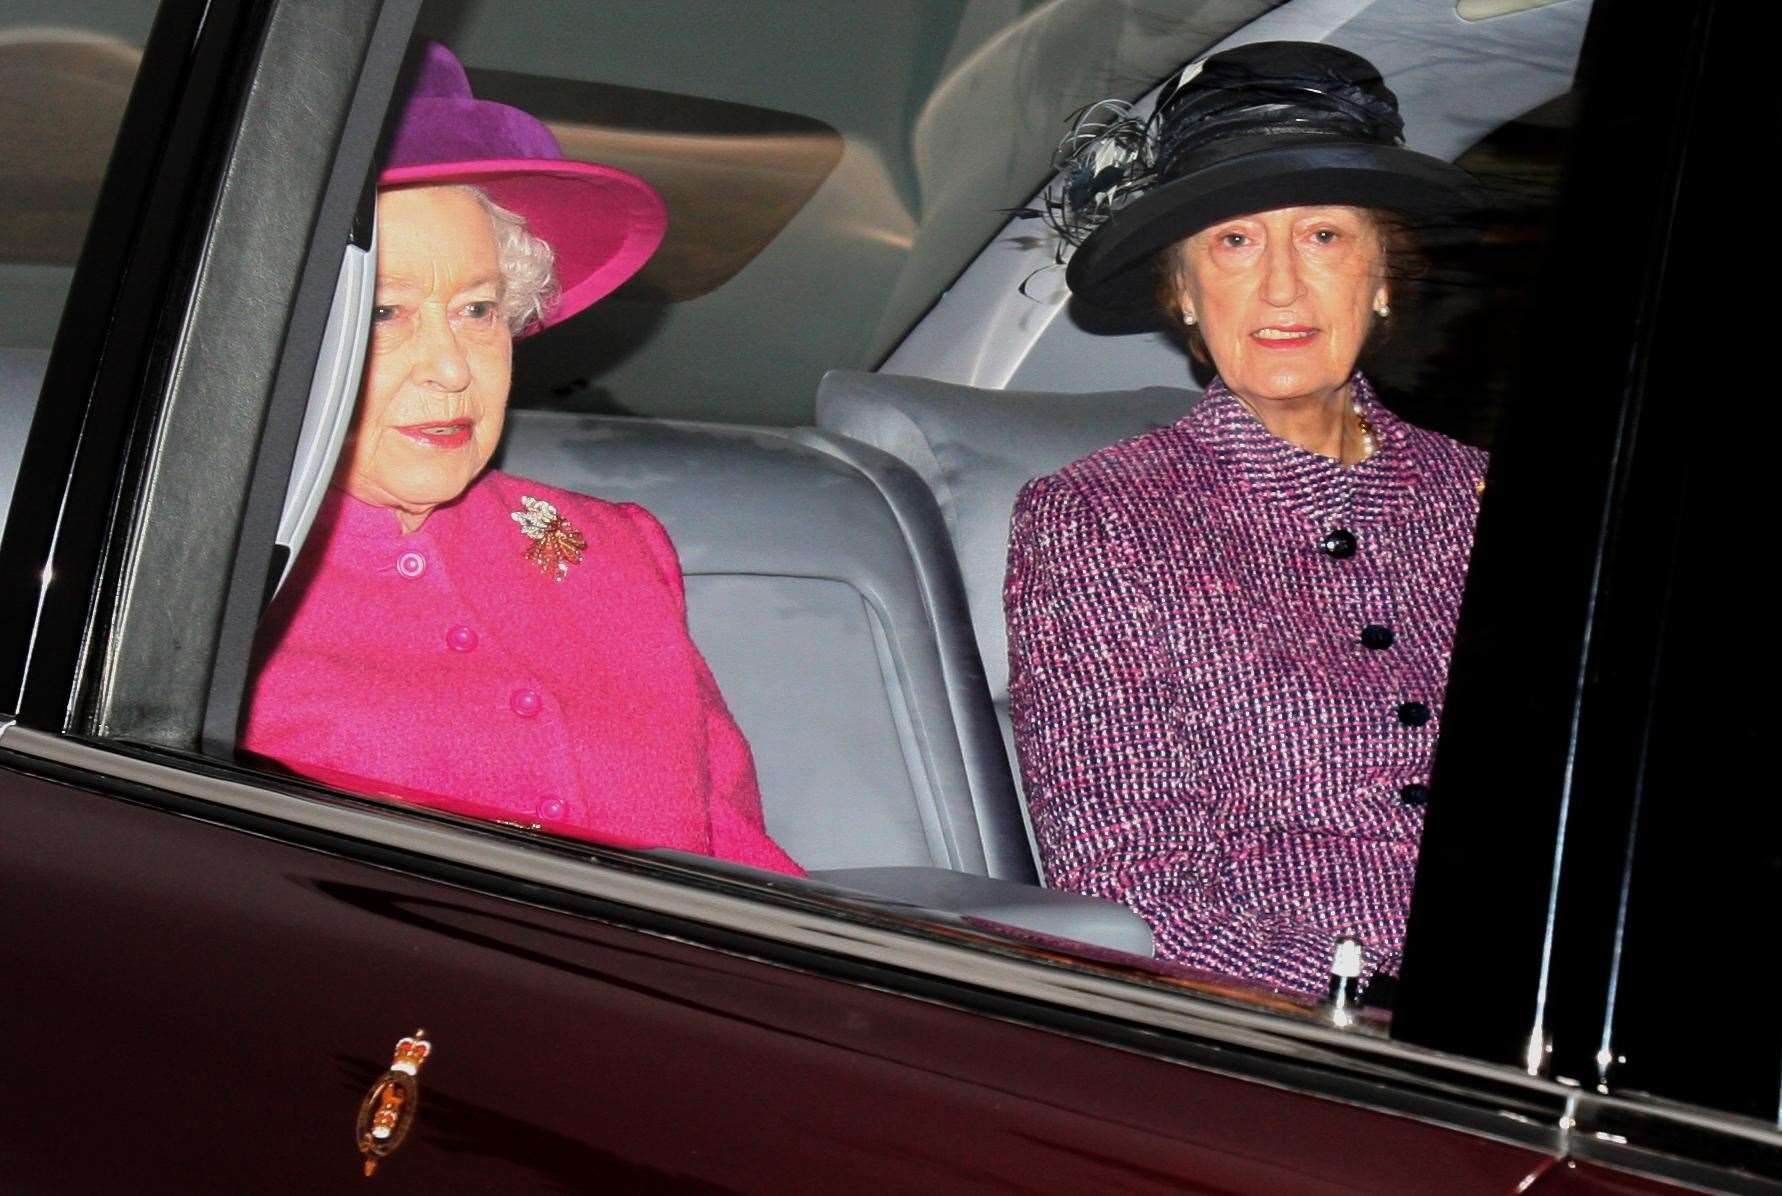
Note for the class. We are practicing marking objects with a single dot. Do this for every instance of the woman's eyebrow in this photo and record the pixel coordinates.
(401, 282)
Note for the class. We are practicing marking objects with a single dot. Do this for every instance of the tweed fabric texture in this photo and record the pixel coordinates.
(1203, 732)
(443, 667)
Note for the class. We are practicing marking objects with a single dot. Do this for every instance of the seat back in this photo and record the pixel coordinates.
(974, 449)
(833, 642)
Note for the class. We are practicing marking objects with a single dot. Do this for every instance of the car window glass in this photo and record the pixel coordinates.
(923, 124)
(65, 72)
(816, 603)
(812, 601)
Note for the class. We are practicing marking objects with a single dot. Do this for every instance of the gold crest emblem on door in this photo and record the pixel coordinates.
(388, 1112)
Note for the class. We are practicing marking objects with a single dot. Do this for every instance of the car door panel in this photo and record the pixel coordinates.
(209, 1006)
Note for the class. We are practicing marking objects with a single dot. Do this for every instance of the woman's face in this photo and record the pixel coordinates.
(1284, 298)
(440, 360)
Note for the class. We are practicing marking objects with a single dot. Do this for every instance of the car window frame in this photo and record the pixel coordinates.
(108, 362)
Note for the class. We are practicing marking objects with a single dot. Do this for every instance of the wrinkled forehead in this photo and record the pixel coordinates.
(1289, 217)
(431, 235)
(1366, 220)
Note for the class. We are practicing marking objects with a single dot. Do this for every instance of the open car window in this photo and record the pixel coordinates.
(841, 578)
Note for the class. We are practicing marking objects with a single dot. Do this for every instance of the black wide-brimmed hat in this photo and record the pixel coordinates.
(1263, 126)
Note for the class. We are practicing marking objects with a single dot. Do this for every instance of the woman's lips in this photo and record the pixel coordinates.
(1284, 336)
(448, 435)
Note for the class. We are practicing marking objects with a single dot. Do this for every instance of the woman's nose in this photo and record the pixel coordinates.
(439, 358)
(1280, 273)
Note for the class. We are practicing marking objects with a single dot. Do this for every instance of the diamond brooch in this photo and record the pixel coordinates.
(556, 544)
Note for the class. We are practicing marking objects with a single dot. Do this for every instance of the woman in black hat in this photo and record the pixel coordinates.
(1229, 638)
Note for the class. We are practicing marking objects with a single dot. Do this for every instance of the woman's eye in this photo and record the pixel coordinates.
(1326, 236)
(483, 309)
(382, 313)
(1234, 240)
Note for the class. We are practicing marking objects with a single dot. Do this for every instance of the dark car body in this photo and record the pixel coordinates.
(209, 966)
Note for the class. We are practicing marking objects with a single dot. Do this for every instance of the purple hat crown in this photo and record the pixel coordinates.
(443, 122)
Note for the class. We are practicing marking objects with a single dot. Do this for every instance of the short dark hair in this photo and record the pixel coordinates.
(1404, 261)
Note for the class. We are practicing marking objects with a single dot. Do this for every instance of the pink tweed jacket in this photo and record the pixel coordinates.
(446, 668)
(1227, 658)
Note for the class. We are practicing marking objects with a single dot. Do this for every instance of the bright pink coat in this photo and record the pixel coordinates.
(444, 667)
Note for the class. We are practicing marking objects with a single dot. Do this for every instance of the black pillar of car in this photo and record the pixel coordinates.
(1670, 992)
(241, 345)
(346, 216)
(1512, 946)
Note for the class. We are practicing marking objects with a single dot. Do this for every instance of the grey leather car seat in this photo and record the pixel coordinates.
(832, 647)
(836, 626)
(973, 450)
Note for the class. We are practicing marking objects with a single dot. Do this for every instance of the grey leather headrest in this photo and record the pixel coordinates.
(975, 449)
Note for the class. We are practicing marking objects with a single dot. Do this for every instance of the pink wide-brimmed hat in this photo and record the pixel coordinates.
(603, 222)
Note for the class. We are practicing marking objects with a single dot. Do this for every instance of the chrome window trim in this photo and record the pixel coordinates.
(1362, 1069)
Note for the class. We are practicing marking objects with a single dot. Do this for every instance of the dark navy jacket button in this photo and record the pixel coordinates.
(1413, 714)
(1377, 637)
(1337, 543)
(1414, 795)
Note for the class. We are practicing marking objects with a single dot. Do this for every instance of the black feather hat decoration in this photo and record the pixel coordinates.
(1108, 157)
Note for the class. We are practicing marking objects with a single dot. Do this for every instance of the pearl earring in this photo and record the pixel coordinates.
(1188, 318)
(1383, 311)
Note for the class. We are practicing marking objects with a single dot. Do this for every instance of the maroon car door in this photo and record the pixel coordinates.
(197, 1007)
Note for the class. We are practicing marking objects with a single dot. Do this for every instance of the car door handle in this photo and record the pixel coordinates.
(388, 1112)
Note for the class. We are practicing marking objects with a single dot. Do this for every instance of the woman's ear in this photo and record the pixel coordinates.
(1176, 271)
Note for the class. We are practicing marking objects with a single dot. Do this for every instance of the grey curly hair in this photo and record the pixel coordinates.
(529, 287)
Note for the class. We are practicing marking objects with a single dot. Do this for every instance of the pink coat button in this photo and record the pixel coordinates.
(461, 638)
(552, 809)
(525, 702)
(411, 564)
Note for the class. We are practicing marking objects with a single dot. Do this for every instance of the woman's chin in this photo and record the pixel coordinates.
(1287, 387)
(418, 492)
(436, 491)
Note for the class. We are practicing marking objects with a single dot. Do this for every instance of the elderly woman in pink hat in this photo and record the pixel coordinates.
(468, 640)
